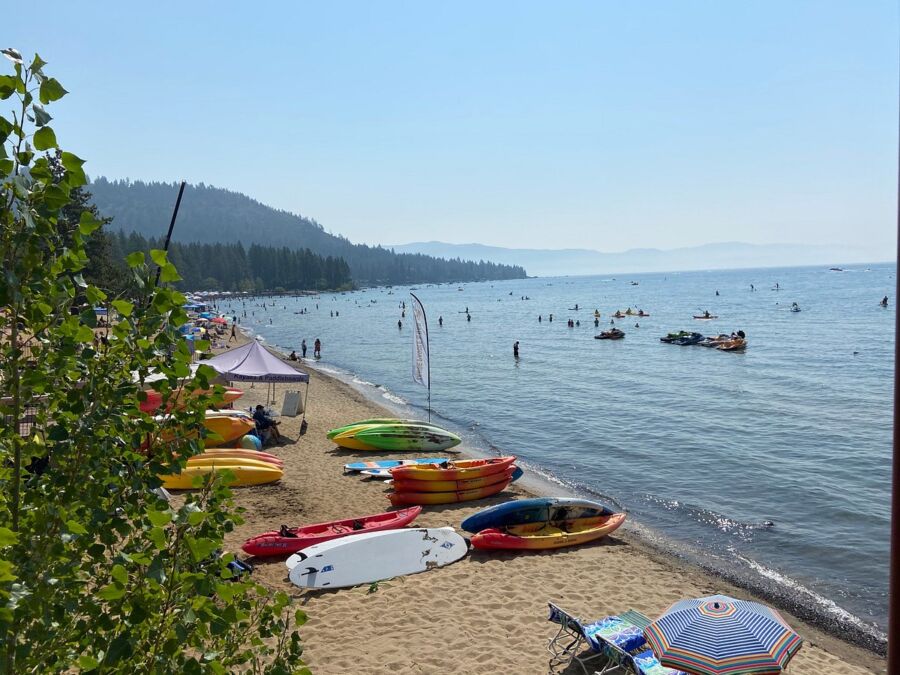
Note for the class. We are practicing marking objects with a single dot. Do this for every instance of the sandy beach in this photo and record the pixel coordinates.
(486, 613)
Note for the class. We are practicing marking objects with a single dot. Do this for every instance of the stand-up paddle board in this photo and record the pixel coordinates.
(355, 467)
(365, 558)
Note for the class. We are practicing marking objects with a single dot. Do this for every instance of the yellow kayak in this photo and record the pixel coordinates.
(244, 475)
(228, 462)
(229, 427)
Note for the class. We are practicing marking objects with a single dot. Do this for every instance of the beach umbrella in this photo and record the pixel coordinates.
(219, 319)
(719, 635)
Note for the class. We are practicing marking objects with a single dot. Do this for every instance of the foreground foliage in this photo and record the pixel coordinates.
(97, 572)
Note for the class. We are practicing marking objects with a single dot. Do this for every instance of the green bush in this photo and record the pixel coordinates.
(97, 572)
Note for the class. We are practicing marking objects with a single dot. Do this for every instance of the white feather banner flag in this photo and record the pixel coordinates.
(421, 364)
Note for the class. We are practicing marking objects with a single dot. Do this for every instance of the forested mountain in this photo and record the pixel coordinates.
(212, 215)
(231, 267)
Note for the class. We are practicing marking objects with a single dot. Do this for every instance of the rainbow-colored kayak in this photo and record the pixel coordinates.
(462, 469)
(402, 498)
(397, 437)
(539, 536)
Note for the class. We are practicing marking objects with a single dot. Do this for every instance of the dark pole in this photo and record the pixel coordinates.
(894, 578)
(171, 227)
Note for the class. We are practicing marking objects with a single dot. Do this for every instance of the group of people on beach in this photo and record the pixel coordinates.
(317, 350)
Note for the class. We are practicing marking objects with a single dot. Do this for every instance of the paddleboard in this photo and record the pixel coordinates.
(366, 558)
(356, 467)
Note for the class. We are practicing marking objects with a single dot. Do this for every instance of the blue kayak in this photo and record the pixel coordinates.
(538, 510)
(390, 463)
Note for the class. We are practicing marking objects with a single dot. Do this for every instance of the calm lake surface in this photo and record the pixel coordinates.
(771, 466)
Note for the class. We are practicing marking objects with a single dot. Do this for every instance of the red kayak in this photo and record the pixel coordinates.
(292, 539)
(154, 398)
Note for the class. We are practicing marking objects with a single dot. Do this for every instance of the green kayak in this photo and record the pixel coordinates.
(374, 420)
(395, 437)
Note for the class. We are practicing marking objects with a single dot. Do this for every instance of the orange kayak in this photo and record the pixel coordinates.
(545, 535)
(461, 469)
(406, 485)
(403, 498)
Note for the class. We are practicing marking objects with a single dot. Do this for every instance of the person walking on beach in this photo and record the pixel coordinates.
(233, 333)
(516, 349)
(317, 348)
(303, 349)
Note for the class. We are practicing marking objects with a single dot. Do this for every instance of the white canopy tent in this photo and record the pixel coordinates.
(254, 363)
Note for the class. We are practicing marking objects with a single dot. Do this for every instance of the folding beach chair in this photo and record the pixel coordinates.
(621, 639)
(617, 637)
(569, 640)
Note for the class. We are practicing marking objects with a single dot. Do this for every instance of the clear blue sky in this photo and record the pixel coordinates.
(597, 124)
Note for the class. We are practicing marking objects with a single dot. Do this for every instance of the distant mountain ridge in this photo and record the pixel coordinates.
(212, 215)
(573, 261)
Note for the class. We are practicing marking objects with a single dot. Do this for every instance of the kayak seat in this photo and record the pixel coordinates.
(285, 531)
(358, 525)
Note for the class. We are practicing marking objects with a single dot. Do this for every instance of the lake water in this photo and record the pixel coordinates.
(771, 466)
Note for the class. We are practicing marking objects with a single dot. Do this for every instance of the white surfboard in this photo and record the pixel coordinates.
(374, 556)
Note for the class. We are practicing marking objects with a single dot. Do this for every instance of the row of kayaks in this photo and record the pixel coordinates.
(394, 435)
(229, 445)
(722, 342)
(441, 480)
(370, 548)
(450, 482)
(541, 523)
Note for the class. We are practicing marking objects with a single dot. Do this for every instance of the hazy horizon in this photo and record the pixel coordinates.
(595, 126)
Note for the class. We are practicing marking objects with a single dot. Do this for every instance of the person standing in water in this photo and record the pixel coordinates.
(468, 317)
(317, 348)
(440, 321)
(399, 324)
(516, 349)
(303, 349)
(540, 318)
(884, 301)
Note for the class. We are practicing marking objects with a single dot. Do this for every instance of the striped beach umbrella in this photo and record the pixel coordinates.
(719, 635)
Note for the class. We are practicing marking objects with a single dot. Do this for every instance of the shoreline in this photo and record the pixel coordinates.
(664, 576)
